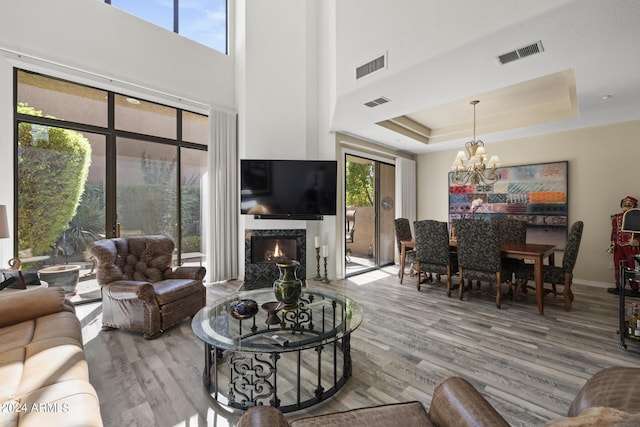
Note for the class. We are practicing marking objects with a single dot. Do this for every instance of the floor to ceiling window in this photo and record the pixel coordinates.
(93, 163)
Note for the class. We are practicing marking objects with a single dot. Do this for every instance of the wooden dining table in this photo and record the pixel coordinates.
(536, 253)
(527, 251)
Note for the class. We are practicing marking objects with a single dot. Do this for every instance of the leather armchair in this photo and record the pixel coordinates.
(141, 292)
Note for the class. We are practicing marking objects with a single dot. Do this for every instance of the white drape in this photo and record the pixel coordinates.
(221, 200)
(406, 189)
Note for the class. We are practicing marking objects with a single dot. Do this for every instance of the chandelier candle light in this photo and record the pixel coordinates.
(471, 167)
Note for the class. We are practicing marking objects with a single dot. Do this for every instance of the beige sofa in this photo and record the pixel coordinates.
(44, 377)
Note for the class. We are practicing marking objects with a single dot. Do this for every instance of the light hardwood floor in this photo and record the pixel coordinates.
(529, 366)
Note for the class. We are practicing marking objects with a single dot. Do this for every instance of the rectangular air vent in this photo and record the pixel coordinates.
(520, 53)
(371, 66)
(376, 102)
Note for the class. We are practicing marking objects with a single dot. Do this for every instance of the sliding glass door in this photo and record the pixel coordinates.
(369, 200)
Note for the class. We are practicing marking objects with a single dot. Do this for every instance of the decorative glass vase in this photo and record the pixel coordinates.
(288, 287)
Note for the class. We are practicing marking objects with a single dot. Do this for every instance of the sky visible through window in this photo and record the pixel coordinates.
(204, 21)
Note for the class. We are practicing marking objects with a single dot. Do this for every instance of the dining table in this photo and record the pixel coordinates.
(534, 252)
(526, 251)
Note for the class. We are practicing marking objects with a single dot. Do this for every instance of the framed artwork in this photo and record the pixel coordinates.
(534, 193)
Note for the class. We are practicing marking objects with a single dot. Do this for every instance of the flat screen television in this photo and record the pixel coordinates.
(288, 189)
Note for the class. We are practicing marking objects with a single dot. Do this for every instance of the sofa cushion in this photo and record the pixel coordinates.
(11, 369)
(407, 414)
(52, 361)
(58, 325)
(70, 404)
(169, 290)
(17, 335)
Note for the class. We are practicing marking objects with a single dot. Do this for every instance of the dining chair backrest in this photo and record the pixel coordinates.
(432, 242)
(478, 246)
(572, 247)
(403, 231)
(512, 230)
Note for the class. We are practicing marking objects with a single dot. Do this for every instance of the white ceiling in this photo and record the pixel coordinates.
(591, 50)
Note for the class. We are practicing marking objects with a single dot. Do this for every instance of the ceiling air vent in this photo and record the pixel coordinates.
(371, 66)
(376, 102)
(520, 53)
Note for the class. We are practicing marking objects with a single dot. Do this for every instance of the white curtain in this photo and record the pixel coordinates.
(221, 201)
(406, 189)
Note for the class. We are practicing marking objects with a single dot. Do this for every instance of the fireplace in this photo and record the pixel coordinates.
(273, 249)
(265, 248)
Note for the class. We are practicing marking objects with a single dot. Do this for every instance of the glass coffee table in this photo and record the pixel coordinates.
(287, 359)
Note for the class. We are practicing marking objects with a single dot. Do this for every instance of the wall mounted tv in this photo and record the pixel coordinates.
(288, 189)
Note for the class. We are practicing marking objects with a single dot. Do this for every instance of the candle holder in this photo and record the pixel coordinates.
(318, 277)
(325, 279)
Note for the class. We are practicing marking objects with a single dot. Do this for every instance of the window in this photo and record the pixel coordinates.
(204, 21)
(82, 175)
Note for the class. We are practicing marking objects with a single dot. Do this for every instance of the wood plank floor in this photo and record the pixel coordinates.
(529, 366)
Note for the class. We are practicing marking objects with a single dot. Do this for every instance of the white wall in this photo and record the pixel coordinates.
(281, 93)
(603, 168)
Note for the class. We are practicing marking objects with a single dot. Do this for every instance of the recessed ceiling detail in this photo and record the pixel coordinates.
(542, 100)
(523, 52)
(374, 65)
(376, 102)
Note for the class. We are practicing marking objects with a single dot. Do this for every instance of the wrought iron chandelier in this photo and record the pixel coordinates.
(472, 167)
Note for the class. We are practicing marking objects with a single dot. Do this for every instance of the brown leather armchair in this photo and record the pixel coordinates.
(141, 292)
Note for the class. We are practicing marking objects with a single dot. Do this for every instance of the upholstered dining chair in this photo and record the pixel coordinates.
(555, 275)
(432, 251)
(479, 256)
(403, 232)
(512, 231)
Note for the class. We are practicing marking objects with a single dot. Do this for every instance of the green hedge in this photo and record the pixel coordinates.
(53, 164)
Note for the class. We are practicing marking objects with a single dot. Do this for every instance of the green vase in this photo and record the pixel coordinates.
(288, 287)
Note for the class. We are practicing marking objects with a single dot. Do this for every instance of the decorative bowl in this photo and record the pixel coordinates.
(243, 309)
(272, 309)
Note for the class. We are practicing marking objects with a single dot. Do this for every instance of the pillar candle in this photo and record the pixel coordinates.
(317, 240)
(325, 251)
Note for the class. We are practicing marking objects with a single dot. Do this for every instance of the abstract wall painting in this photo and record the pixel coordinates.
(534, 193)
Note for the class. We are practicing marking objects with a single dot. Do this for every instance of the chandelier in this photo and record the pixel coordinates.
(471, 167)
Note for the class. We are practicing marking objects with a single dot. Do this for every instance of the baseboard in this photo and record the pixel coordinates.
(593, 283)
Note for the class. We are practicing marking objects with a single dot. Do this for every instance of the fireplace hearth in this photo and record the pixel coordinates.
(265, 248)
